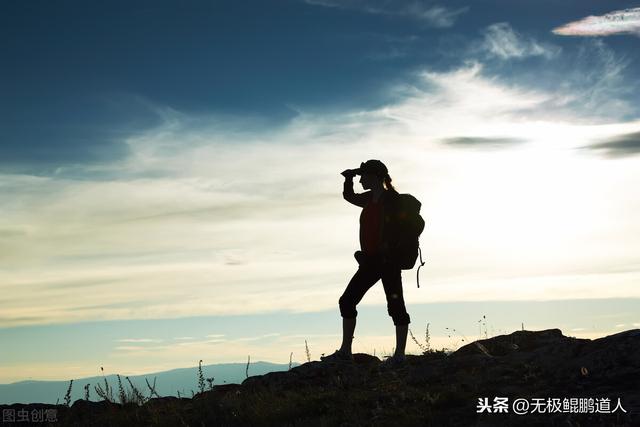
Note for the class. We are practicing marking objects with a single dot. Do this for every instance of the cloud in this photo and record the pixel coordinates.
(625, 21)
(139, 340)
(618, 146)
(476, 141)
(596, 83)
(259, 337)
(431, 14)
(503, 42)
(438, 16)
(591, 82)
(234, 257)
(95, 136)
(197, 194)
(463, 100)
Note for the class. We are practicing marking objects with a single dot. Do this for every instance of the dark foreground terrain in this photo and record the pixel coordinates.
(527, 378)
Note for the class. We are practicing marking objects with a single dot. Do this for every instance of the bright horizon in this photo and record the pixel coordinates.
(210, 187)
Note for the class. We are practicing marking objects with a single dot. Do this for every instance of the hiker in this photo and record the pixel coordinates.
(375, 259)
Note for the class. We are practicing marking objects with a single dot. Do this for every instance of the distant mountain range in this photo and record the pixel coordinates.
(168, 383)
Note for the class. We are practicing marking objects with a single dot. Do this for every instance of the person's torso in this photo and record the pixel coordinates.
(371, 226)
(376, 225)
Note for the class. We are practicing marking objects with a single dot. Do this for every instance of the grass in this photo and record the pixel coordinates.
(383, 399)
(132, 395)
(125, 396)
(426, 348)
(67, 396)
(200, 377)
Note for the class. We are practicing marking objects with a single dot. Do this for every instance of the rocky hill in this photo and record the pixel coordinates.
(526, 378)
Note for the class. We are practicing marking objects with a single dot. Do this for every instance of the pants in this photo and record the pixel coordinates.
(370, 270)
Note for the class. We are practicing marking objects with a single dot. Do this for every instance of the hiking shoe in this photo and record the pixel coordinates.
(393, 362)
(338, 356)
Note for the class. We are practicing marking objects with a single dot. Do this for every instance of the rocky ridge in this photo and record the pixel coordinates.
(564, 380)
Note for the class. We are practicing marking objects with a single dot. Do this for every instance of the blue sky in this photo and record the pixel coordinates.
(162, 160)
(89, 76)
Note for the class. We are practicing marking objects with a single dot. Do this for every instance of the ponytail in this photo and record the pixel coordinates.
(387, 183)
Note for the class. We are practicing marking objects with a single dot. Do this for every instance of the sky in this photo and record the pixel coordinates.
(171, 189)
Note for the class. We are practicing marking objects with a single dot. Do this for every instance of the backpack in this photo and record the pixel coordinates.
(407, 225)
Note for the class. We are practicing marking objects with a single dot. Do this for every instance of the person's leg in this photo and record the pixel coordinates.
(401, 340)
(348, 327)
(392, 283)
(360, 283)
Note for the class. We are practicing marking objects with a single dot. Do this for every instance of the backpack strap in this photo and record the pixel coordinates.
(421, 264)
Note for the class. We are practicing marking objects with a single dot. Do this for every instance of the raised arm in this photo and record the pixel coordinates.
(359, 199)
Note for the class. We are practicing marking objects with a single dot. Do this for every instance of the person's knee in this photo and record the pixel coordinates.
(342, 301)
(399, 314)
(402, 319)
(347, 308)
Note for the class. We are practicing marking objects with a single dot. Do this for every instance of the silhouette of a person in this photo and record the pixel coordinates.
(375, 258)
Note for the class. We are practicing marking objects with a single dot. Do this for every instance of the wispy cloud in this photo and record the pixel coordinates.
(139, 340)
(503, 42)
(483, 142)
(597, 82)
(437, 101)
(132, 348)
(172, 222)
(431, 14)
(259, 337)
(625, 21)
(593, 81)
(618, 146)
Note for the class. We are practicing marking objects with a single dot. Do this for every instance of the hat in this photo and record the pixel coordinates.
(375, 167)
